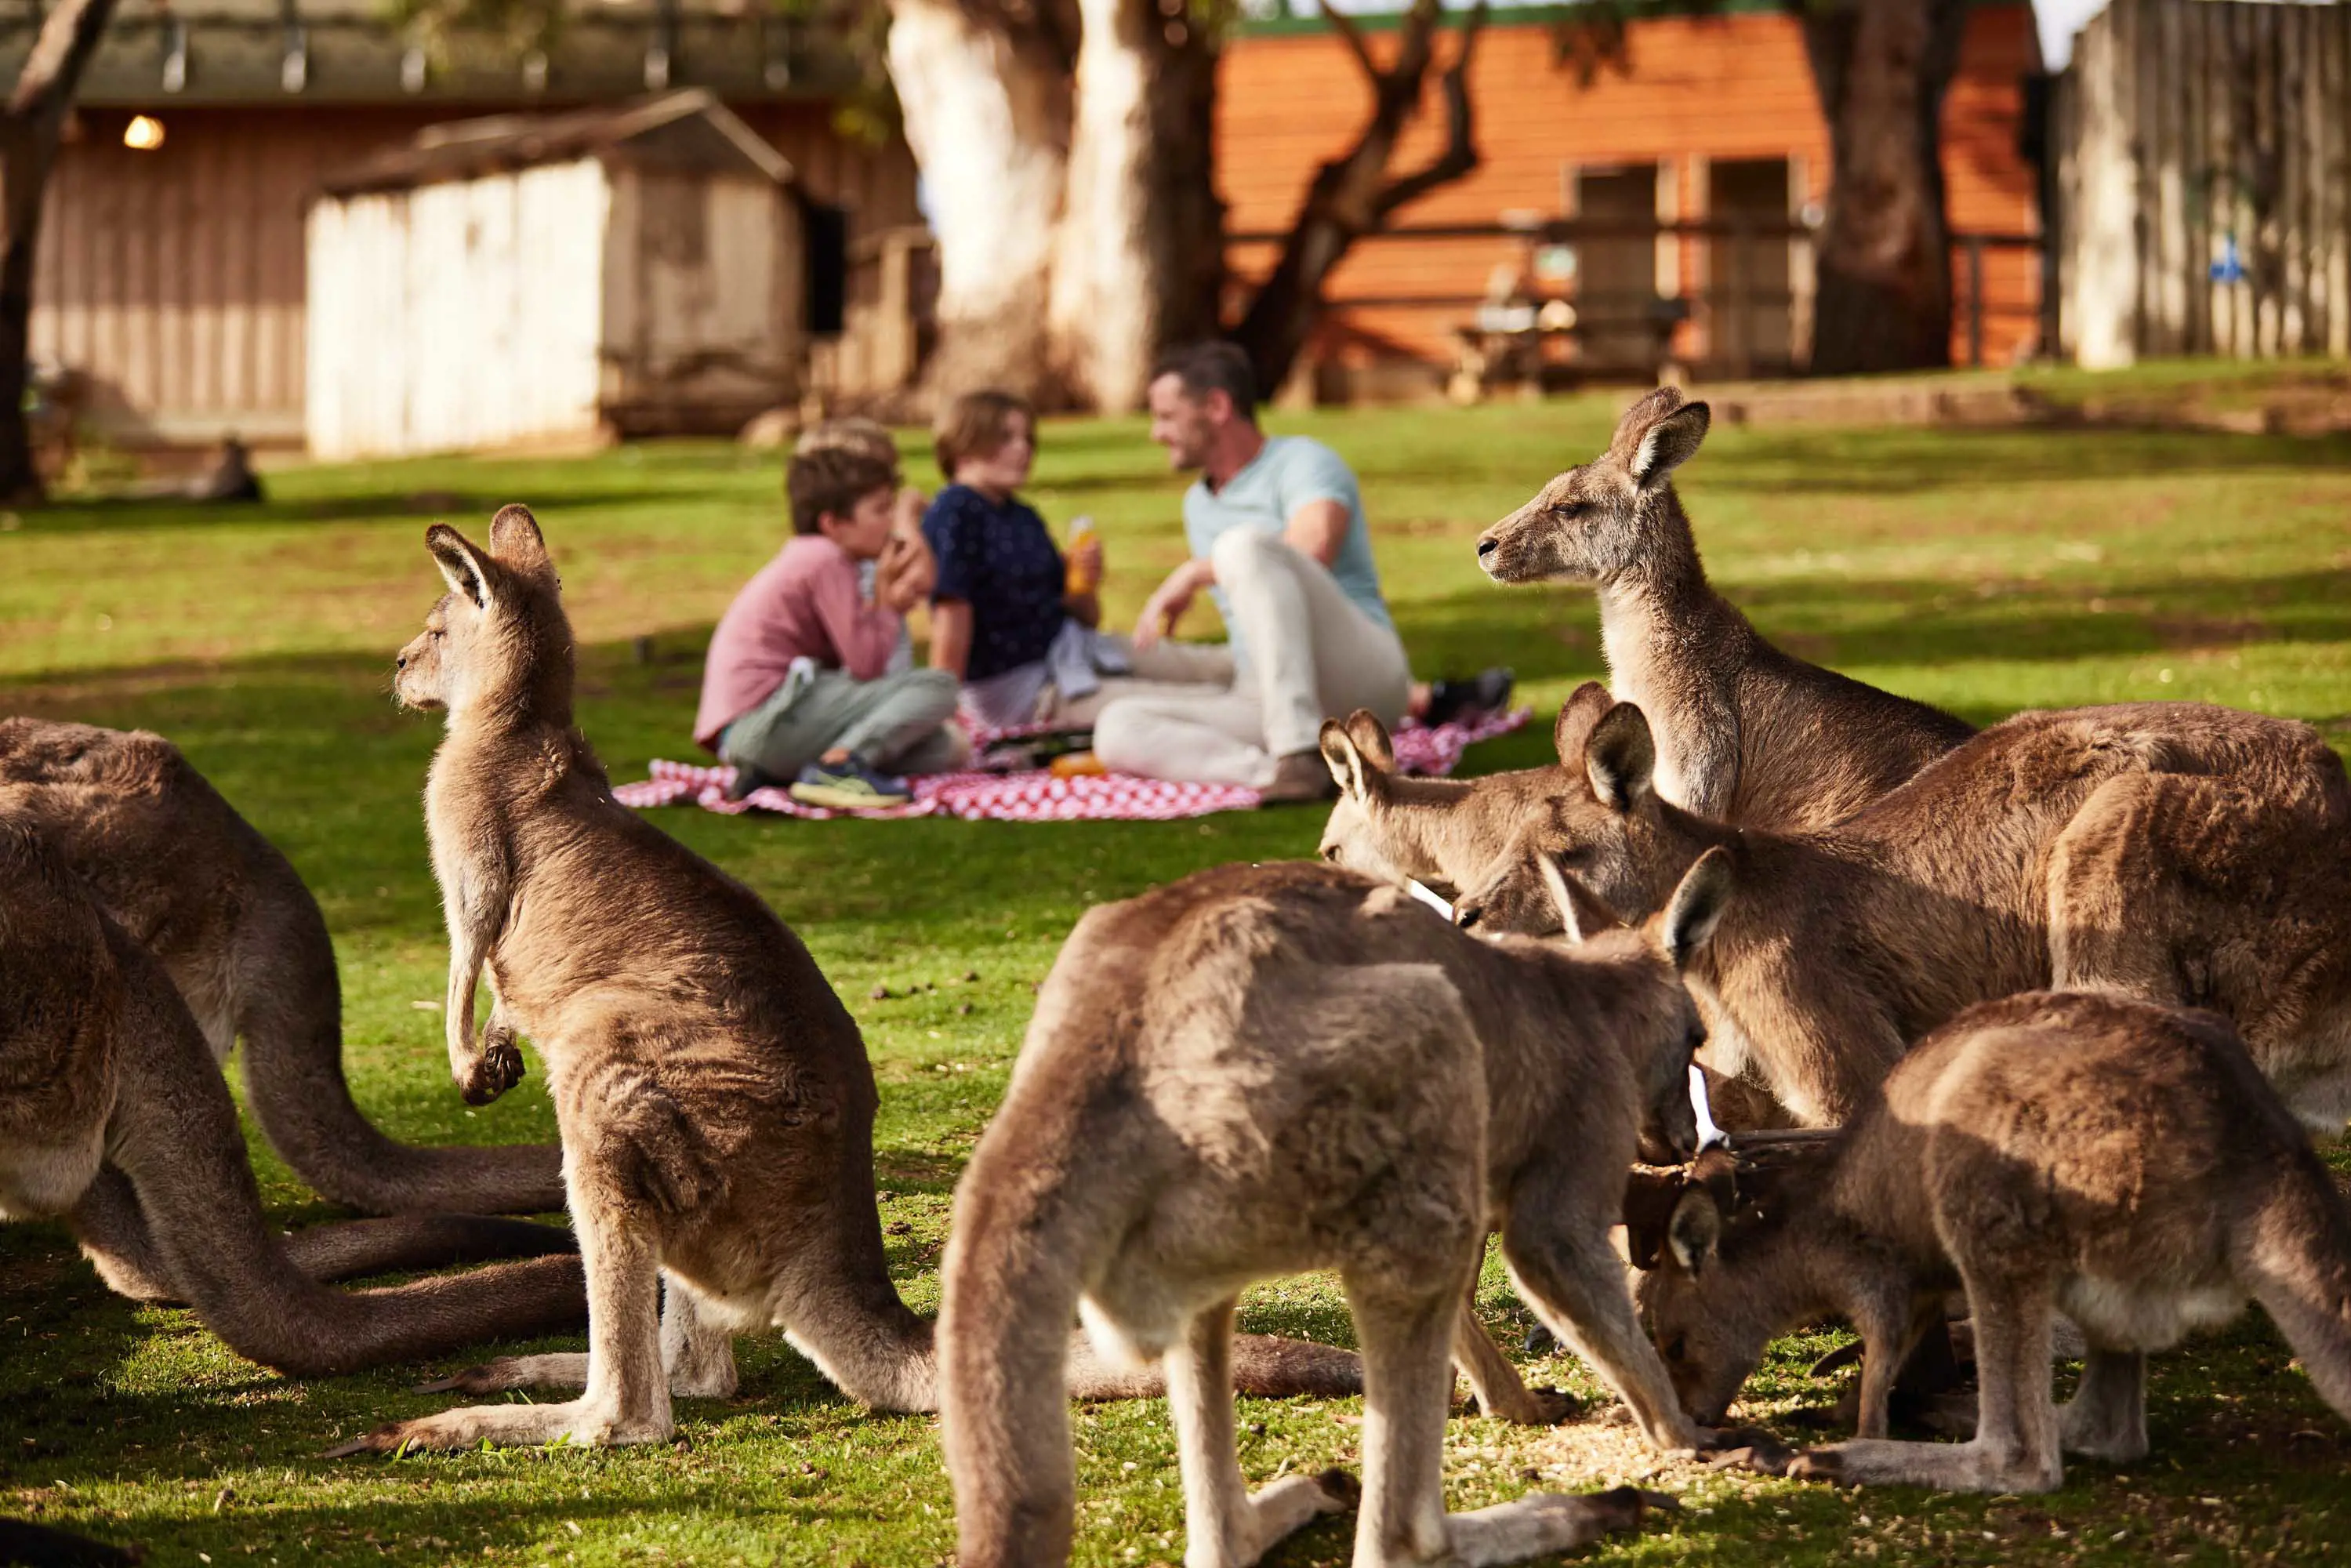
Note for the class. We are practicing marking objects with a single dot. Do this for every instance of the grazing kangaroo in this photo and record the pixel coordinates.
(2188, 853)
(225, 914)
(714, 1098)
(105, 1079)
(1748, 733)
(1449, 834)
(2121, 1163)
(1260, 1070)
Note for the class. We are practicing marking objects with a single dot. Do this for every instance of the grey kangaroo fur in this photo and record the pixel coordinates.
(1260, 1070)
(1748, 733)
(2180, 853)
(2122, 1163)
(106, 1082)
(714, 1098)
(225, 914)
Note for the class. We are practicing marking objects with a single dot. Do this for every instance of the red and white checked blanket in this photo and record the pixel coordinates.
(1039, 796)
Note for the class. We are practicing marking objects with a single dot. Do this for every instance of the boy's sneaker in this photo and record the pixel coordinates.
(848, 787)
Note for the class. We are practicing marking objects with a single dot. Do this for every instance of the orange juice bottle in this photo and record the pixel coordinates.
(1080, 574)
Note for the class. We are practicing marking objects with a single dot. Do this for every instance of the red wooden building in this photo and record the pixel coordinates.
(1710, 121)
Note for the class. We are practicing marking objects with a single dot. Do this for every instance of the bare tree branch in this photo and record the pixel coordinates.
(1351, 35)
(1351, 195)
(1461, 154)
(52, 72)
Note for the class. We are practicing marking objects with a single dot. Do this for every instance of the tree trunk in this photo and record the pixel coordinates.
(1882, 297)
(987, 104)
(31, 127)
(1139, 259)
(1352, 196)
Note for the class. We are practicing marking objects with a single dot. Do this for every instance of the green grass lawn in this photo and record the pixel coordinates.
(1983, 571)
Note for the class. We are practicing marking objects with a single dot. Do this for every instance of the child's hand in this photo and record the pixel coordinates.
(904, 573)
(906, 513)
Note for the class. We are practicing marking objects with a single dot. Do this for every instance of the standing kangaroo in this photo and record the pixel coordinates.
(225, 914)
(1260, 1070)
(1748, 733)
(2186, 853)
(106, 1081)
(714, 1098)
(2121, 1163)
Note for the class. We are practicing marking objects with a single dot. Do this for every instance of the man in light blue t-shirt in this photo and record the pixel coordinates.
(1277, 533)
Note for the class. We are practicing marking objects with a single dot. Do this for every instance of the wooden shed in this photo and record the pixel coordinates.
(628, 271)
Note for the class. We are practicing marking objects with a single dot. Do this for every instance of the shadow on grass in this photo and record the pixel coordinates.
(1888, 462)
(390, 508)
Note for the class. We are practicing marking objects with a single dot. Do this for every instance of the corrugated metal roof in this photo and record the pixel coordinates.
(678, 131)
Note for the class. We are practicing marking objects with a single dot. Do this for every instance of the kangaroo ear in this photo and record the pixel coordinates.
(1371, 738)
(467, 572)
(516, 540)
(1621, 757)
(1696, 905)
(1582, 914)
(1695, 1232)
(1669, 444)
(1346, 763)
(1585, 707)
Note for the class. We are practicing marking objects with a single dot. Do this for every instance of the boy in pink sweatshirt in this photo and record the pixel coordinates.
(796, 684)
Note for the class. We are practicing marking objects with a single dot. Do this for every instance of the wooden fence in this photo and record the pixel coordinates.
(2204, 172)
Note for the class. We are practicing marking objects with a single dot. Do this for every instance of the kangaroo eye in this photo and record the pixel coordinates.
(1331, 854)
(1678, 1349)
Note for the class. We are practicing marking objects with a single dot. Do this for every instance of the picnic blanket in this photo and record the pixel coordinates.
(1035, 796)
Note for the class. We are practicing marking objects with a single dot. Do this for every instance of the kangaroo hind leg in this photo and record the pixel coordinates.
(626, 1397)
(2015, 1448)
(1225, 1526)
(2107, 1417)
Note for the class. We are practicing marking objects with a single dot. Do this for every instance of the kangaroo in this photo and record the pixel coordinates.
(105, 1078)
(2182, 852)
(1260, 1070)
(224, 912)
(713, 1096)
(2122, 1163)
(1749, 733)
(1449, 834)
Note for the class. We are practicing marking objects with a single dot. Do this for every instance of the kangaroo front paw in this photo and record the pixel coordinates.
(1341, 1490)
(494, 1069)
(1816, 1465)
(1744, 1448)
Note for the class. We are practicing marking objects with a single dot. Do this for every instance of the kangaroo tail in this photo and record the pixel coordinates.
(289, 1012)
(2296, 1256)
(1027, 1222)
(175, 1136)
(353, 1248)
(115, 1236)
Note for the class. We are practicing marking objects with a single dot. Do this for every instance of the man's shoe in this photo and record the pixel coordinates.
(848, 787)
(1298, 776)
(747, 780)
(1488, 691)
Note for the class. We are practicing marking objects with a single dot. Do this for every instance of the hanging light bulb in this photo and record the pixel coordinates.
(143, 134)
